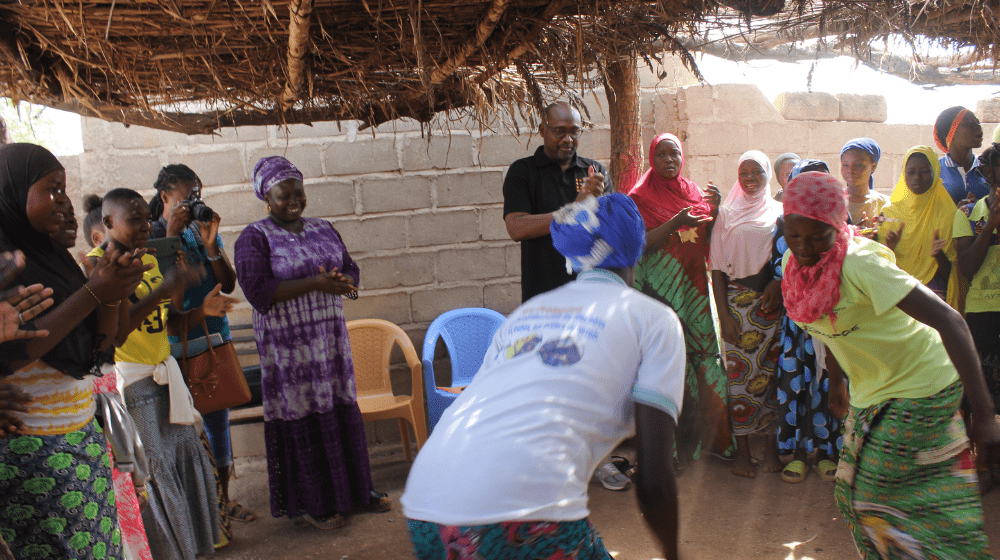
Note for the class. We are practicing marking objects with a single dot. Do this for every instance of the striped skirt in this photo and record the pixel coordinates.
(907, 483)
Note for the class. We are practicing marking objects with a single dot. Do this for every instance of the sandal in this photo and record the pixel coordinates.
(795, 472)
(380, 502)
(239, 513)
(335, 522)
(827, 470)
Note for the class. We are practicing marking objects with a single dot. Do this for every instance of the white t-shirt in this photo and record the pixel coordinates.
(554, 395)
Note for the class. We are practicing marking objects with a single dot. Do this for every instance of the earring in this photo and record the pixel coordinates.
(268, 208)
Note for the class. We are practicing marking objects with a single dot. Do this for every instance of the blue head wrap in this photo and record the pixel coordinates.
(807, 164)
(603, 232)
(868, 146)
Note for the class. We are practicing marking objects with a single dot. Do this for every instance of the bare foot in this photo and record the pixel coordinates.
(771, 463)
(743, 466)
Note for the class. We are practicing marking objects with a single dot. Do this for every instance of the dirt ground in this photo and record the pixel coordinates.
(722, 517)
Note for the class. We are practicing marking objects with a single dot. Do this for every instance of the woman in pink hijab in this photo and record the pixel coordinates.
(674, 271)
(748, 298)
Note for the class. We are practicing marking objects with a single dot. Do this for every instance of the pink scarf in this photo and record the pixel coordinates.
(810, 292)
(660, 199)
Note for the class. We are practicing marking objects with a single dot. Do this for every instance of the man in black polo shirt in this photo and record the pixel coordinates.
(538, 185)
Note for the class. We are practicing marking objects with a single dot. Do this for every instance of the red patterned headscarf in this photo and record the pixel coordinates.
(810, 292)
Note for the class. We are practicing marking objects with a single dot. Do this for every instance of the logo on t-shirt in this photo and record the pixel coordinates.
(560, 352)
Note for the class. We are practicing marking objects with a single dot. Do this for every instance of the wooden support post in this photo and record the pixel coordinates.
(626, 133)
(299, 21)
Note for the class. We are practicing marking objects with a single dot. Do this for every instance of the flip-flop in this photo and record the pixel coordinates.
(380, 502)
(795, 472)
(335, 522)
(827, 470)
(239, 513)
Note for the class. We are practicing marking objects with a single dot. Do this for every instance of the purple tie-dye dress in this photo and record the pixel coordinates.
(317, 455)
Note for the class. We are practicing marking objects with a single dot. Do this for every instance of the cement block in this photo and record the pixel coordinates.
(74, 186)
(862, 108)
(248, 440)
(988, 110)
(717, 139)
(498, 150)
(393, 307)
(372, 234)
(225, 167)
(665, 113)
(314, 130)
(477, 263)
(742, 103)
(504, 297)
(595, 144)
(407, 269)
(513, 253)
(444, 228)
(308, 158)
(397, 193)
(330, 198)
(444, 151)
(776, 138)
(232, 135)
(100, 172)
(366, 155)
(703, 169)
(130, 137)
(468, 188)
(238, 207)
(96, 136)
(808, 106)
(492, 226)
(428, 304)
(395, 126)
(695, 104)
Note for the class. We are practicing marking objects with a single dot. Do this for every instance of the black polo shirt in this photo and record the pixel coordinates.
(537, 185)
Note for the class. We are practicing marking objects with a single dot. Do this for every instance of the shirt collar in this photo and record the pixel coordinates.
(601, 275)
(946, 161)
(542, 159)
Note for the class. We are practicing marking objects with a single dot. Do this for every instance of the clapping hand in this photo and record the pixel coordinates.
(216, 304)
(19, 305)
(892, 238)
(593, 185)
(334, 282)
(684, 218)
(937, 245)
(117, 274)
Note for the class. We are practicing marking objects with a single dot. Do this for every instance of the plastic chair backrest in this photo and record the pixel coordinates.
(467, 334)
(371, 346)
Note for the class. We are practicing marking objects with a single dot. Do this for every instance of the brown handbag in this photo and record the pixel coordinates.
(215, 377)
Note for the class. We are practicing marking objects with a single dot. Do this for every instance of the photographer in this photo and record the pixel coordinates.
(178, 211)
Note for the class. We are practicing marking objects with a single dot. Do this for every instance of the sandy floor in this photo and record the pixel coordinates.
(722, 517)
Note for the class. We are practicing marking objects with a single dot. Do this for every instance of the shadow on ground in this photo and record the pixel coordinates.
(722, 517)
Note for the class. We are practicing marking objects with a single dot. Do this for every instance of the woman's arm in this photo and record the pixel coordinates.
(656, 488)
(656, 237)
(218, 259)
(924, 306)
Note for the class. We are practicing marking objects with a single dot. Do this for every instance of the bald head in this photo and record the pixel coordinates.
(560, 110)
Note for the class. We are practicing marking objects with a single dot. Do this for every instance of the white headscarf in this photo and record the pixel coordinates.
(744, 230)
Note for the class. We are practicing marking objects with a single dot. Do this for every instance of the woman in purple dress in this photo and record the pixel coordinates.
(293, 271)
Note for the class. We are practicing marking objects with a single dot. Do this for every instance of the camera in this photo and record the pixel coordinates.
(199, 210)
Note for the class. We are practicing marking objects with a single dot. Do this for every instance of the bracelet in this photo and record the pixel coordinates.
(352, 295)
(213, 259)
(99, 299)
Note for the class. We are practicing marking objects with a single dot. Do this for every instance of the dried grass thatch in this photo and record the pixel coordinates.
(195, 65)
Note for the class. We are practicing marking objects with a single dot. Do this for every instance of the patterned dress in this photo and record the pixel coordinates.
(317, 452)
(803, 393)
(752, 364)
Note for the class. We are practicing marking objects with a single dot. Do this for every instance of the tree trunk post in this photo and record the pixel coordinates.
(623, 110)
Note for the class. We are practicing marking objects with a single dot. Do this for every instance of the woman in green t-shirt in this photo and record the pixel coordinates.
(906, 483)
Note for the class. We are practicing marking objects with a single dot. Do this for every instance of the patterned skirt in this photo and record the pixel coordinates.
(804, 419)
(752, 364)
(538, 540)
(56, 496)
(182, 518)
(907, 483)
(318, 464)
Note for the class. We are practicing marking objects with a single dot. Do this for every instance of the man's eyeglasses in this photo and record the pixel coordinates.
(561, 133)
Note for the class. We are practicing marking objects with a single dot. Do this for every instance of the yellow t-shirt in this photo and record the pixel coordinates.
(885, 353)
(984, 289)
(148, 344)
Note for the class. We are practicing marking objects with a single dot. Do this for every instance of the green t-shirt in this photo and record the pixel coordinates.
(984, 290)
(885, 353)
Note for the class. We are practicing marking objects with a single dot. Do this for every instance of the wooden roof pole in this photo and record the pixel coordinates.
(483, 32)
(299, 22)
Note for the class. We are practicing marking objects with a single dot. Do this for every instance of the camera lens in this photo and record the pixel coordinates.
(200, 211)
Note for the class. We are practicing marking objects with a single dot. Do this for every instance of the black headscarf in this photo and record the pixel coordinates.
(22, 165)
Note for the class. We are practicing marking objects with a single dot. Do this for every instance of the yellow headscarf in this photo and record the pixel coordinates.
(922, 214)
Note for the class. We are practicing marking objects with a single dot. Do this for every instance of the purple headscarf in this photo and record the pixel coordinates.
(270, 171)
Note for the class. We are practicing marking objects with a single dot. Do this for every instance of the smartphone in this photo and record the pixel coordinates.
(166, 252)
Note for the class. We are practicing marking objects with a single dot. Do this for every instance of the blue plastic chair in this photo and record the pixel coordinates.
(467, 334)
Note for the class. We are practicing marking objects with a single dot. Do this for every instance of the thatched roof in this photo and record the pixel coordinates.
(196, 65)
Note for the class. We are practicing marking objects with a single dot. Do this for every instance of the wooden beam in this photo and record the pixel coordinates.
(300, 19)
(483, 32)
(517, 52)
